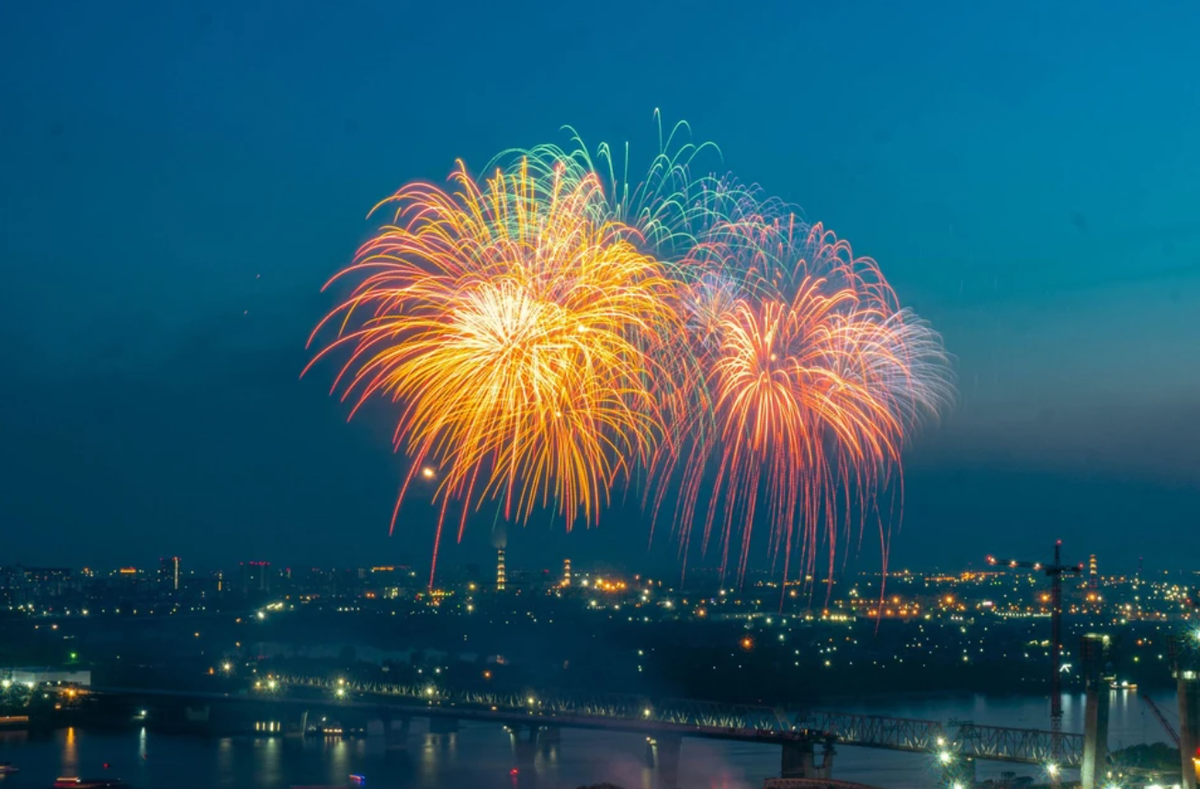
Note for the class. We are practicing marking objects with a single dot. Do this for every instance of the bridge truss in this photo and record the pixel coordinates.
(954, 738)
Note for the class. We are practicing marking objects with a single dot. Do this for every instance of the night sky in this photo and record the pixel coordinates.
(178, 179)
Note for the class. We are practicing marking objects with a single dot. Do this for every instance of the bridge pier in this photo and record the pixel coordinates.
(797, 760)
(1095, 713)
(295, 723)
(826, 769)
(549, 737)
(393, 730)
(440, 725)
(396, 733)
(524, 739)
(663, 754)
(1189, 726)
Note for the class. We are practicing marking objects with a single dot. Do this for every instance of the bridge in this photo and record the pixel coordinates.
(735, 721)
(541, 714)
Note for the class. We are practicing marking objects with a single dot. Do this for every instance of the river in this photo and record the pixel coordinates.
(480, 757)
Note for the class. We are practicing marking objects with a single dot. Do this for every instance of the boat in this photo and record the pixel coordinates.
(90, 783)
(7, 768)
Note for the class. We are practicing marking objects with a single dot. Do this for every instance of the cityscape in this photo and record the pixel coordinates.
(506, 631)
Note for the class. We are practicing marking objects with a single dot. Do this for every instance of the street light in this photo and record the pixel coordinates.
(944, 757)
(341, 693)
(1052, 770)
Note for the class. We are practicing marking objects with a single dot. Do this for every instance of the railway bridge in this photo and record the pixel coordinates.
(535, 718)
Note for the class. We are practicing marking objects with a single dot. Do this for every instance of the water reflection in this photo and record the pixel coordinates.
(70, 760)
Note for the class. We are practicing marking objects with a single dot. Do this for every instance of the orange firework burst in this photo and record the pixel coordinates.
(520, 332)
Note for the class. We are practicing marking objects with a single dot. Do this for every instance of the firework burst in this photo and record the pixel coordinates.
(518, 333)
(551, 332)
(816, 379)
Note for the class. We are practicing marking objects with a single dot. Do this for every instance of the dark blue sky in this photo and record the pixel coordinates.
(178, 179)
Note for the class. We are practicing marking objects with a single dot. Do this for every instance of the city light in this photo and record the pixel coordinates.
(1052, 769)
(956, 785)
(6, 684)
(945, 757)
(227, 667)
(340, 693)
(272, 684)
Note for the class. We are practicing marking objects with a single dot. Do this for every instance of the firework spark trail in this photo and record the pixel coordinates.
(556, 329)
(517, 333)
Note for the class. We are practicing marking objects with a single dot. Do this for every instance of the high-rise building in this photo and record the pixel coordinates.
(168, 573)
(256, 577)
(499, 569)
(566, 579)
(1093, 581)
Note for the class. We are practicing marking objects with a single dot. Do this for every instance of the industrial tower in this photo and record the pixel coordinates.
(1055, 573)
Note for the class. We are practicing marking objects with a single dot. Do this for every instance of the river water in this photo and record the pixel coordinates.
(480, 756)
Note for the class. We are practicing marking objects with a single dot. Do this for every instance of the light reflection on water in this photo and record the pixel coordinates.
(482, 756)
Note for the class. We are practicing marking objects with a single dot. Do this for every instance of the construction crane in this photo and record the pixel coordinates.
(1055, 572)
(1170, 730)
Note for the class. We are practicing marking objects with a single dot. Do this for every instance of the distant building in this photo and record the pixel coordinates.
(256, 578)
(48, 581)
(168, 573)
(566, 579)
(37, 676)
(500, 578)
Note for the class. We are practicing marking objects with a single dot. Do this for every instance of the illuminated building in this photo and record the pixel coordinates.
(168, 573)
(499, 569)
(566, 579)
(256, 577)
